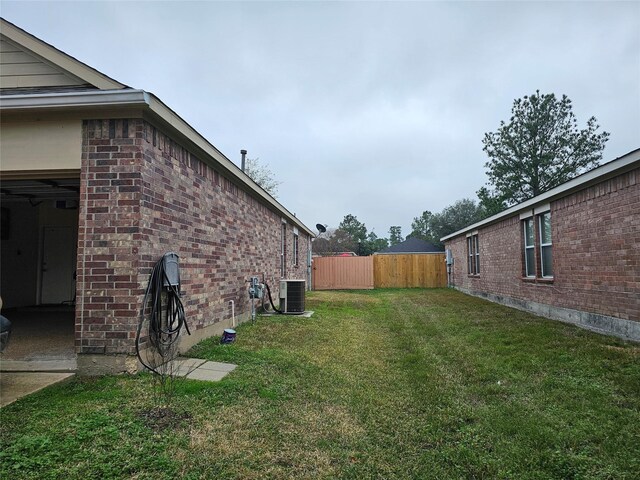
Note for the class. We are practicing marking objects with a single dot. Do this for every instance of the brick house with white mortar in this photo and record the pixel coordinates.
(571, 254)
(99, 180)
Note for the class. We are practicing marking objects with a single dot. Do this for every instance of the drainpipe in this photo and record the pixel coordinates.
(244, 155)
(233, 314)
(309, 266)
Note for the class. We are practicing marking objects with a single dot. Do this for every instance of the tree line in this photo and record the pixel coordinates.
(539, 148)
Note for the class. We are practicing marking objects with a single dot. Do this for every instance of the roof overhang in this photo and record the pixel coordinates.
(154, 111)
(610, 169)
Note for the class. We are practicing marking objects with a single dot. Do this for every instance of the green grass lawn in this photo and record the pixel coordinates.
(382, 384)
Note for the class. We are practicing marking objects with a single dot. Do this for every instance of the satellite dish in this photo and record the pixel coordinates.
(321, 228)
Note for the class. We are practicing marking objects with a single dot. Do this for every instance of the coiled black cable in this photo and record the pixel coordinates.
(164, 314)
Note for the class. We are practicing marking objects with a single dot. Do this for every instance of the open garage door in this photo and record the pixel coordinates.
(38, 261)
(39, 241)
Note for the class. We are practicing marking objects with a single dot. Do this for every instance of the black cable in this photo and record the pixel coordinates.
(163, 330)
(271, 299)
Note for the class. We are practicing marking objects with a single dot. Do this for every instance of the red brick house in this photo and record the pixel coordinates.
(99, 180)
(571, 254)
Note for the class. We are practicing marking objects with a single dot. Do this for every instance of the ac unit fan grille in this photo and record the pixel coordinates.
(294, 299)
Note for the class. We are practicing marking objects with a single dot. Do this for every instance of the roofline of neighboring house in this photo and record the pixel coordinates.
(615, 167)
(52, 55)
(149, 103)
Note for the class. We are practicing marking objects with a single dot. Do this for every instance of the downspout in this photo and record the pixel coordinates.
(233, 313)
(309, 259)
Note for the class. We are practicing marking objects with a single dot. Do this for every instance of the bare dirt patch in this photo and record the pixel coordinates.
(159, 419)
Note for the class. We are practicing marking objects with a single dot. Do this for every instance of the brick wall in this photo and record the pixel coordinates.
(142, 195)
(596, 253)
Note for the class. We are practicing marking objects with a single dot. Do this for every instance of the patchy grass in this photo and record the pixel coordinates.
(377, 384)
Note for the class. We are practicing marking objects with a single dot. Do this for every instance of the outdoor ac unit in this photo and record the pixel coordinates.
(292, 296)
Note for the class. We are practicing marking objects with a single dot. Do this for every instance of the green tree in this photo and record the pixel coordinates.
(262, 175)
(395, 235)
(453, 218)
(539, 148)
(421, 227)
(355, 229)
(375, 244)
(490, 203)
(333, 241)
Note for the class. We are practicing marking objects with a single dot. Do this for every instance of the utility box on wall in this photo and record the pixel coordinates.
(292, 296)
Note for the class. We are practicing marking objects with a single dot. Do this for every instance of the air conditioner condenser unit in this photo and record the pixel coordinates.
(292, 296)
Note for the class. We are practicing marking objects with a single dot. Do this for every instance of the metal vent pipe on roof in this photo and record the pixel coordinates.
(244, 155)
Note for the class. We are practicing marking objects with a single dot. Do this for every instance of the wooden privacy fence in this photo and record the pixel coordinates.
(337, 273)
(413, 270)
(380, 271)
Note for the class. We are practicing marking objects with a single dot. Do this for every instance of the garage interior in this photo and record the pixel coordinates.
(39, 230)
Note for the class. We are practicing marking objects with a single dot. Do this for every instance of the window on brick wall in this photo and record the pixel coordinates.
(473, 255)
(529, 248)
(538, 258)
(546, 257)
(295, 249)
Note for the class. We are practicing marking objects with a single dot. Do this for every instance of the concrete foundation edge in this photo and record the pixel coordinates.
(97, 364)
(603, 324)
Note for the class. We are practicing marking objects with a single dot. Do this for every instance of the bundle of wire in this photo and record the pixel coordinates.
(163, 314)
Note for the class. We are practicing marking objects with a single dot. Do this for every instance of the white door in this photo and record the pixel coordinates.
(58, 265)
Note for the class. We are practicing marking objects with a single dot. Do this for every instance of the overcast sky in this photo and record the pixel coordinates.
(369, 108)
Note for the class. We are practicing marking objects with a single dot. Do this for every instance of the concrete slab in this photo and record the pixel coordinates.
(207, 375)
(198, 369)
(15, 385)
(21, 378)
(181, 367)
(188, 362)
(218, 367)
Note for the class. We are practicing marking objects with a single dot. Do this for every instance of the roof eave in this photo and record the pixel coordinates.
(614, 167)
(153, 105)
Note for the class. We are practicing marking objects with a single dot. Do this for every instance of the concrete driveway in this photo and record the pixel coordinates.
(40, 352)
(15, 385)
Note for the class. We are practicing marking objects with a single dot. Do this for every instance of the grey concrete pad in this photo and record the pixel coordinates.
(207, 375)
(198, 369)
(182, 371)
(188, 362)
(15, 385)
(218, 367)
(181, 367)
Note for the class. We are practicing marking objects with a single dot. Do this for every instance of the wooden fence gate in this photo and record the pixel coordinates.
(380, 271)
(338, 273)
(413, 270)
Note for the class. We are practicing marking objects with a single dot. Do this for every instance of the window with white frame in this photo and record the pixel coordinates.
(538, 258)
(295, 248)
(546, 257)
(477, 250)
(529, 248)
(473, 255)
